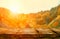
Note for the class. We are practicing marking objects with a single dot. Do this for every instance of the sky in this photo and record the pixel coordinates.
(28, 6)
(59, 1)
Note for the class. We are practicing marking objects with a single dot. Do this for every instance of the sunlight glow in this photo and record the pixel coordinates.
(14, 10)
(28, 6)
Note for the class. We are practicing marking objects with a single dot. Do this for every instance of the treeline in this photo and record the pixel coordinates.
(42, 18)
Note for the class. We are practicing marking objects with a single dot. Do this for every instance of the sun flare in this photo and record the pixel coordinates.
(14, 10)
(28, 6)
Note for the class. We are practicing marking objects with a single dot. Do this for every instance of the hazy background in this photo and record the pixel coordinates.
(28, 6)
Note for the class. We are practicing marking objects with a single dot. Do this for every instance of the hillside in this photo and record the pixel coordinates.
(35, 21)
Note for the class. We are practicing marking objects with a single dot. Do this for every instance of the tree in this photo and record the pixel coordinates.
(53, 12)
(58, 9)
(55, 23)
(3, 14)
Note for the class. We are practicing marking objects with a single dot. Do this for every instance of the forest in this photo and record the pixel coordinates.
(41, 21)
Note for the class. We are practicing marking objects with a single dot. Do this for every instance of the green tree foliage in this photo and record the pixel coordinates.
(53, 12)
(56, 22)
